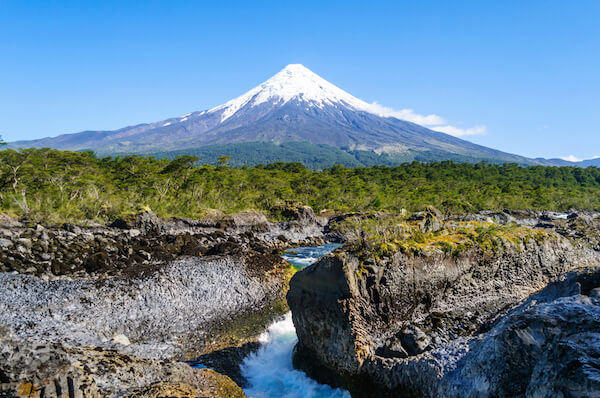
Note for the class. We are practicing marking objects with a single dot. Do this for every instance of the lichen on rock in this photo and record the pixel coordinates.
(385, 321)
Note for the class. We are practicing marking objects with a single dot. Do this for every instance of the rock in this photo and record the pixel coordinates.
(256, 221)
(392, 349)
(5, 243)
(36, 368)
(40, 245)
(414, 341)
(595, 292)
(207, 383)
(25, 242)
(546, 216)
(297, 212)
(154, 285)
(228, 360)
(501, 218)
(172, 310)
(396, 327)
(71, 228)
(121, 223)
(100, 251)
(120, 339)
(7, 221)
(546, 347)
(96, 262)
(39, 369)
(148, 222)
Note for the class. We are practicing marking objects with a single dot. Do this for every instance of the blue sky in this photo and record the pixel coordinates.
(526, 72)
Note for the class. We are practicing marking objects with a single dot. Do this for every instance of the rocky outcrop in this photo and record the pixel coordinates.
(548, 346)
(175, 311)
(108, 311)
(38, 368)
(419, 325)
(134, 244)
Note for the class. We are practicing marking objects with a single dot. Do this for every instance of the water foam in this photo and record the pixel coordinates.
(270, 372)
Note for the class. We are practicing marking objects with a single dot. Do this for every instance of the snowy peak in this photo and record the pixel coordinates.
(294, 82)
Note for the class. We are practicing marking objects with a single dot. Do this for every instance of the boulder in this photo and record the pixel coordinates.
(71, 228)
(247, 221)
(121, 339)
(148, 222)
(296, 211)
(7, 221)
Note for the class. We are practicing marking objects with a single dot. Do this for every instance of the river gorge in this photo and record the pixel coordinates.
(410, 305)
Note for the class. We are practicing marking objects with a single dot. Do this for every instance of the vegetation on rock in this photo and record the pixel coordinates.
(384, 234)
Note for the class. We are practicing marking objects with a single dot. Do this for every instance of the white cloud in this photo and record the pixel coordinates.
(458, 132)
(572, 158)
(432, 121)
(406, 114)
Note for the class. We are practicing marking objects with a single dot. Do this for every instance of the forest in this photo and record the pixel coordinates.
(313, 156)
(45, 185)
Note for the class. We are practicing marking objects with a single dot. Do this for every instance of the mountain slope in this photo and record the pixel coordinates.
(295, 105)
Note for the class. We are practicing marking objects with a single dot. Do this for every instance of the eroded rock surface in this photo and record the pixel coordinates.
(109, 311)
(38, 368)
(137, 244)
(444, 324)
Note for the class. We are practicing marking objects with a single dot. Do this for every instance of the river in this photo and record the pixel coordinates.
(269, 371)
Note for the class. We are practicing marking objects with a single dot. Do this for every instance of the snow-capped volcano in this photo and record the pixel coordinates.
(294, 82)
(295, 105)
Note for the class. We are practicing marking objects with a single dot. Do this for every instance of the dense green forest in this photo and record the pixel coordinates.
(313, 156)
(55, 186)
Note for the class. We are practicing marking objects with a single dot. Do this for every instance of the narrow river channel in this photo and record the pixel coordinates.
(269, 371)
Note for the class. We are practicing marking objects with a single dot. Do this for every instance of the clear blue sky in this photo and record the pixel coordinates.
(527, 70)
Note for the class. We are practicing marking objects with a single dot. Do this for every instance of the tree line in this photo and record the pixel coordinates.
(56, 186)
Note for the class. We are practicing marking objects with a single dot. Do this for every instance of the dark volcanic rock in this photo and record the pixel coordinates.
(405, 325)
(548, 346)
(36, 368)
(133, 244)
(228, 360)
(102, 311)
(169, 311)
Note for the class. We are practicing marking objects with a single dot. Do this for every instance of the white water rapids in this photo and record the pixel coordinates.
(269, 371)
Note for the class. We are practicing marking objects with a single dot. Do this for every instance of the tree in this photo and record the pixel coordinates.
(223, 160)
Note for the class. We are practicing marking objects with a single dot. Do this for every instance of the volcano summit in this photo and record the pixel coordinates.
(294, 106)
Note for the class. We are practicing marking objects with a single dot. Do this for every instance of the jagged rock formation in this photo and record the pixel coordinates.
(137, 244)
(38, 368)
(434, 324)
(108, 311)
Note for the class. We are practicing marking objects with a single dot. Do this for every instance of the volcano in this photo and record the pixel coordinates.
(294, 106)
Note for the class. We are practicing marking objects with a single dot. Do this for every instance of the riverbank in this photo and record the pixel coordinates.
(166, 290)
(116, 310)
(429, 306)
